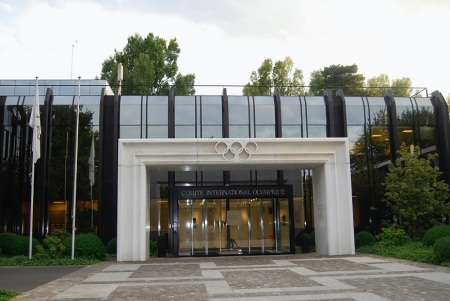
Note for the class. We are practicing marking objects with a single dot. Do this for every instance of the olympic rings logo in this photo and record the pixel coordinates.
(236, 149)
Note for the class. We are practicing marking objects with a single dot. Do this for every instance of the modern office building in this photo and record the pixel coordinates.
(219, 174)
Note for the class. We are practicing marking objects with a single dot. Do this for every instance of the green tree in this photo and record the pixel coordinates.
(413, 191)
(149, 67)
(378, 84)
(337, 77)
(400, 87)
(282, 75)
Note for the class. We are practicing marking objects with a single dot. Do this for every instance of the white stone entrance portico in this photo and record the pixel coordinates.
(327, 157)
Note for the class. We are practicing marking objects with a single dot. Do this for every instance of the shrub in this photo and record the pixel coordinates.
(364, 238)
(433, 234)
(8, 294)
(6, 242)
(441, 250)
(153, 248)
(301, 237)
(55, 245)
(111, 246)
(393, 236)
(89, 246)
(21, 246)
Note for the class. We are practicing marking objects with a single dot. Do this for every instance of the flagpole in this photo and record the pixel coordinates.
(74, 199)
(92, 178)
(35, 123)
(30, 250)
(65, 182)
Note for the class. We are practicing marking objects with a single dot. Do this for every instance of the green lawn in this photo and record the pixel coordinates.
(6, 295)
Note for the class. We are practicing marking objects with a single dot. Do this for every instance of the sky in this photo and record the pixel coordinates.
(222, 42)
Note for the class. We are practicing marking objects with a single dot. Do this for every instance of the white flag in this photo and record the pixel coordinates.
(91, 164)
(35, 123)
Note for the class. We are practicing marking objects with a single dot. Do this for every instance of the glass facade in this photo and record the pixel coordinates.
(373, 126)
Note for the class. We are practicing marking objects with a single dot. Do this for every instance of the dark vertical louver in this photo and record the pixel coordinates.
(391, 113)
(173, 201)
(335, 114)
(44, 163)
(108, 165)
(278, 128)
(225, 130)
(443, 133)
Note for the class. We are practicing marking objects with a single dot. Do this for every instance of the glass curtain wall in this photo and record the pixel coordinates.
(58, 188)
(60, 195)
(426, 125)
(147, 117)
(15, 182)
(368, 135)
(416, 123)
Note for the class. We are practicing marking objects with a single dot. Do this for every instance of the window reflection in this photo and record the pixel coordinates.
(239, 116)
(185, 117)
(405, 120)
(264, 119)
(427, 125)
(157, 110)
(291, 117)
(315, 117)
(130, 110)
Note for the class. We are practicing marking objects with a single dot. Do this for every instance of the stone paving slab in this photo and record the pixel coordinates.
(252, 278)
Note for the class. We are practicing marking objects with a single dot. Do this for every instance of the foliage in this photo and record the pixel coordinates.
(25, 261)
(6, 295)
(163, 237)
(21, 246)
(149, 67)
(392, 236)
(6, 242)
(88, 246)
(280, 74)
(302, 237)
(337, 76)
(86, 221)
(400, 87)
(364, 238)
(433, 234)
(413, 191)
(153, 248)
(54, 245)
(411, 250)
(441, 250)
(111, 246)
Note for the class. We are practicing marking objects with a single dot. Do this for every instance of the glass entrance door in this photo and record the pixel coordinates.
(201, 226)
(233, 226)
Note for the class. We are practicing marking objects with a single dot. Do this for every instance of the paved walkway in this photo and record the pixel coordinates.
(252, 278)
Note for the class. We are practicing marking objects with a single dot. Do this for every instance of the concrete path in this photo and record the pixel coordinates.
(25, 278)
(252, 278)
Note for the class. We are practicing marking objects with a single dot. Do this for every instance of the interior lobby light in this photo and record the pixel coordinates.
(376, 135)
(407, 131)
